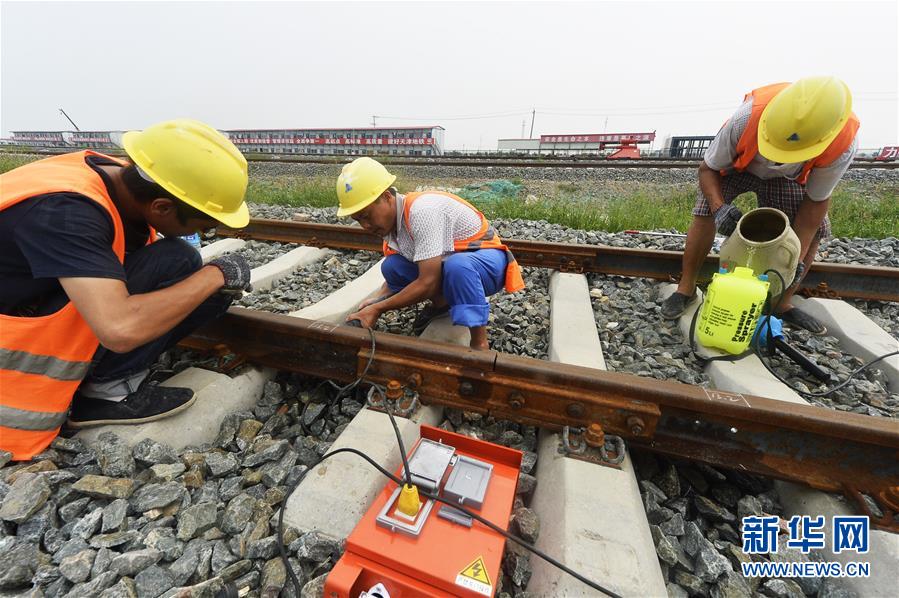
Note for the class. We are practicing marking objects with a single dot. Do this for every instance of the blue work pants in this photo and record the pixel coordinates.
(468, 278)
(156, 266)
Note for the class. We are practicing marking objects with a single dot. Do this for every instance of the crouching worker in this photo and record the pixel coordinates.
(89, 298)
(438, 247)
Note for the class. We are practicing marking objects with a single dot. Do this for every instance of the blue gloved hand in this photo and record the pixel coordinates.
(236, 272)
(800, 270)
(726, 219)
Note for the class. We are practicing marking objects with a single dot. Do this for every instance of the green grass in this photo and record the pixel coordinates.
(289, 191)
(871, 213)
(10, 161)
(856, 210)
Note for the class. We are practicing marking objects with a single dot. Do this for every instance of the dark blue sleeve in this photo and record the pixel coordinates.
(67, 235)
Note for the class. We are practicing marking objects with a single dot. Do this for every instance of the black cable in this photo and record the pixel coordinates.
(526, 545)
(290, 573)
(756, 343)
(396, 430)
(341, 389)
(475, 516)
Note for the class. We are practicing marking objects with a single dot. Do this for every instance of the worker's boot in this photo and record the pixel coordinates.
(675, 305)
(148, 403)
(426, 316)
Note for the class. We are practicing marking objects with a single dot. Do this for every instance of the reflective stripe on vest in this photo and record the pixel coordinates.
(21, 419)
(485, 238)
(44, 359)
(748, 145)
(46, 365)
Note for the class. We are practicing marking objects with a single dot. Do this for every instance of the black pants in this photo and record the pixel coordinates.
(156, 266)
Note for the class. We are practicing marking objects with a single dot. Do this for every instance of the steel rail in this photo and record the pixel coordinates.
(842, 280)
(828, 450)
(510, 163)
(466, 161)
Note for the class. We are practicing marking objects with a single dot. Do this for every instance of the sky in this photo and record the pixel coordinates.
(478, 69)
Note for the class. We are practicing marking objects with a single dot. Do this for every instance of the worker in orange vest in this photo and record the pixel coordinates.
(89, 297)
(437, 247)
(790, 144)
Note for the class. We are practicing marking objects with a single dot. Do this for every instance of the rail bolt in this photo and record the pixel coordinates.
(466, 388)
(594, 435)
(636, 425)
(516, 400)
(394, 390)
(414, 380)
(575, 410)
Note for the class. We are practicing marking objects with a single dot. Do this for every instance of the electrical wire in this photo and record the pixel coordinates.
(757, 348)
(396, 430)
(509, 536)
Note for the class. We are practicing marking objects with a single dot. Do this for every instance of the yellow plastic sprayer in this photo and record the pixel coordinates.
(732, 306)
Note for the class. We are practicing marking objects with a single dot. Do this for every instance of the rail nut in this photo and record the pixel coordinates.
(635, 425)
(466, 388)
(394, 390)
(516, 400)
(574, 410)
(594, 435)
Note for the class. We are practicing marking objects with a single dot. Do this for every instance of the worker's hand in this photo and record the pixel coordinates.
(726, 219)
(800, 272)
(373, 300)
(236, 272)
(367, 316)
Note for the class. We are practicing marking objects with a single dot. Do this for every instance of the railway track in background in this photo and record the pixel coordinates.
(477, 162)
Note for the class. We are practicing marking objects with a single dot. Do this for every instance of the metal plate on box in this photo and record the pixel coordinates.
(429, 462)
(454, 515)
(467, 484)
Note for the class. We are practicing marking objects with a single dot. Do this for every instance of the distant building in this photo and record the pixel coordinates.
(399, 141)
(97, 139)
(396, 141)
(689, 146)
(41, 138)
(592, 143)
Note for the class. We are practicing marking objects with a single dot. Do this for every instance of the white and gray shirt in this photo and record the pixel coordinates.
(722, 151)
(435, 223)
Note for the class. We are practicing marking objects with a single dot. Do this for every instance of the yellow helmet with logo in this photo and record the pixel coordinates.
(360, 183)
(800, 122)
(195, 163)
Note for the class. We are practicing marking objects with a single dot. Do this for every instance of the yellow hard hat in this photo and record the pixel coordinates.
(196, 164)
(360, 183)
(800, 122)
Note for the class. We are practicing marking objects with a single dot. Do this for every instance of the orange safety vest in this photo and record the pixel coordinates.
(44, 359)
(485, 238)
(748, 145)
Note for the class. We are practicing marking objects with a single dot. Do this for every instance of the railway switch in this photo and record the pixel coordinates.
(432, 548)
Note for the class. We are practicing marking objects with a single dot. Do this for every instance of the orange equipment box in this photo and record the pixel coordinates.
(446, 558)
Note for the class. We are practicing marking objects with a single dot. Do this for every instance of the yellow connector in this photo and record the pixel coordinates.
(408, 503)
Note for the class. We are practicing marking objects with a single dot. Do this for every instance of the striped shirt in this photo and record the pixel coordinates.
(436, 222)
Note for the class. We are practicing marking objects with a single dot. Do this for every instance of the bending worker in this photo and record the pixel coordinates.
(89, 298)
(438, 247)
(790, 144)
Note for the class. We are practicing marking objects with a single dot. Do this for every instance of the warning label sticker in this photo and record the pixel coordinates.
(474, 577)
